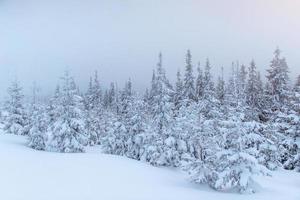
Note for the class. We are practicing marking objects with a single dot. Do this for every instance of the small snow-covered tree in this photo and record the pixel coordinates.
(232, 164)
(37, 133)
(136, 129)
(115, 140)
(235, 170)
(67, 132)
(16, 121)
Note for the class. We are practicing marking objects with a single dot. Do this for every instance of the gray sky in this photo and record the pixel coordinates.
(121, 38)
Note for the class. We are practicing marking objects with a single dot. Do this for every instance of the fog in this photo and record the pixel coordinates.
(39, 40)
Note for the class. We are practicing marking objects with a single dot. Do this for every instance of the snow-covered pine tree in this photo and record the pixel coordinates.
(97, 93)
(53, 103)
(126, 99)
(93, 112)
(220, 88)
(138, 139)
(208, 103)
(153, 89)
(92, 127)
(37, 133)
(242, 82)
(67, 132)
(284, 119)
(208, 83)
(261, 92)
(38, 137)
(126, 133)
(178, 146)
(33, 105)
(162, 117)
(278, 80)
(89, 95)
(232, 164)
(39, 121)
(112, 97)
(199, 83)
(162, 100)
(188, 85)
(233, 90)
(288, 124)
(116, 139)
(93, 96)
(16, 121)
(254, 91)
(178, 96)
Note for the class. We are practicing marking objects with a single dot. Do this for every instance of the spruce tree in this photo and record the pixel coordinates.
(278, 79)
(242, 82)
(37, 133)
(199, 83)
(220, 88)
(162, 105)
(252, 90)
(189, 88)
(96, 94)
(208, 81)
(17, 120)
(67, 132)
(178, 97)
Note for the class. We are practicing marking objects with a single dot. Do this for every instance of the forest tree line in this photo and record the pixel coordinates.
(220, 132)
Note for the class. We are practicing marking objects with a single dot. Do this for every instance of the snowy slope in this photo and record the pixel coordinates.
(26, 174)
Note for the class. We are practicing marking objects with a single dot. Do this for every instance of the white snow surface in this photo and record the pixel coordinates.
(27, 174)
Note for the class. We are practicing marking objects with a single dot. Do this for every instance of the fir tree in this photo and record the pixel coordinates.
(162, 105)
(199, 83)
(278, 81)
(208, 81)
(178, 97)
(253, 88)
(242, 82)
(189, 88)
(37, 133)
(67, 132)
(16, 121)
(220, 89)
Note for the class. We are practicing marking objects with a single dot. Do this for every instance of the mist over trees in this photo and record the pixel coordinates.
(221, 133)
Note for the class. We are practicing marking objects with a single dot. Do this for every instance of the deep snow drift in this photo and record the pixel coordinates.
(27, 174)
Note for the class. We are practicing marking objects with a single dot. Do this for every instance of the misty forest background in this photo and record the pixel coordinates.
(221, 133)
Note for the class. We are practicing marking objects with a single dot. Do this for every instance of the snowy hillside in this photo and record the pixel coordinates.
(34, 175)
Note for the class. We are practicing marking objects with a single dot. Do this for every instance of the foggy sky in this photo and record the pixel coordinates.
(122, 38)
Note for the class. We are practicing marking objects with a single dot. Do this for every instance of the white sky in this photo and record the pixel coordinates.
(121, 38)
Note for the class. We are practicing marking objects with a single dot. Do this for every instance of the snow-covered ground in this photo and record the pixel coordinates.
(27, 174)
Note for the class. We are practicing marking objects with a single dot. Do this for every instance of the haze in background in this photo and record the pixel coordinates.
(122, 38)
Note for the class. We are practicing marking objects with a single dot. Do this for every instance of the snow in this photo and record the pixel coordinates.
(27, 174)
